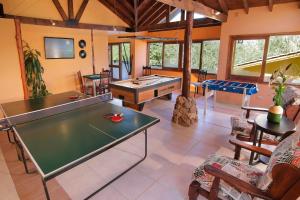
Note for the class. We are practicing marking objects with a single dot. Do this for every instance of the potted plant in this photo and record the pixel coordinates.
(278, 79)
(34, 71)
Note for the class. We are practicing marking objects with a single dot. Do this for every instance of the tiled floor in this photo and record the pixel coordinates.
(173, 154)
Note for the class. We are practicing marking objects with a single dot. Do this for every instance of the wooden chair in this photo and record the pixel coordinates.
(105, 79)
(201, 77)
(243, 129)
(83, 87)
(220, 177)
(146, 70)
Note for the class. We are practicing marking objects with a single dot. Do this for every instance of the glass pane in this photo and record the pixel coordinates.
(115, 54)
(248, 55)
(115, 73)
(155, 55)
(282, 51)
(126, 66)
(196, 50)
(171, 55)
(210, 56)
(109, 54)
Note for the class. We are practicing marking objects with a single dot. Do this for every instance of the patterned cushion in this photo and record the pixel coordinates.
(234, 167)
(291, 96)
(287, 151)
(240, 126)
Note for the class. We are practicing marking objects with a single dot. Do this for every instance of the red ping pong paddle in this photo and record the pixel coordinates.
(117, 118)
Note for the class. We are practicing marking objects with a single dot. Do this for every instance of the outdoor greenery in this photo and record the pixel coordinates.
(210, 55)
(283, 49)
(155, 54)
(171, 54)
(34, 71)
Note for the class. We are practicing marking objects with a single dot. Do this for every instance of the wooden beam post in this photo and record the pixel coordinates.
(21, 57)
(168, 14)
(81, 10)
(187, 54)
(70, 9)
(271, 3)
(195, 6)
(246, 6)
(60, 10)
(223, 6)
(182, 16)
(93, 53)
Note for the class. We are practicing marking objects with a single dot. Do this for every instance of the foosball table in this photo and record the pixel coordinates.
(212, 86)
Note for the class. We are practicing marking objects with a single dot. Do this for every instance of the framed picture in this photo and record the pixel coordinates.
(59, 48)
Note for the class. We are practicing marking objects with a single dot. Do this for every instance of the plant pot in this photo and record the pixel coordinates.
(275, 114)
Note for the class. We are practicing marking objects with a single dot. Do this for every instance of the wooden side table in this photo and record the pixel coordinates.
(262, 125)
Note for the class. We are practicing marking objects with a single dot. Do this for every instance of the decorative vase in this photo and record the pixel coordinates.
(275, 114)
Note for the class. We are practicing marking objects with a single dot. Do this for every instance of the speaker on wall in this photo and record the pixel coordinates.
(1, 10)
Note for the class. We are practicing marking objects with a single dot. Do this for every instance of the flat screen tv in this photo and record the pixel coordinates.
(59, 48)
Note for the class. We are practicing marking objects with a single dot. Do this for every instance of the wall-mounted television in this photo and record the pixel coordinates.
(59, 48)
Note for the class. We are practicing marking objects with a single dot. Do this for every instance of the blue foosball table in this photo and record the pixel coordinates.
(212, 86)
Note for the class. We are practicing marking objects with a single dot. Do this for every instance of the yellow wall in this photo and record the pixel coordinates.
(60, 74)
(10, 76)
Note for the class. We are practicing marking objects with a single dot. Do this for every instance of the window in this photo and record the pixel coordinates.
(210, 55)
(258, 58)
(196, 52)
(115, 54)
(171, 55)
(155, 55)
(248, 57)
(205, 55)
(283, 50)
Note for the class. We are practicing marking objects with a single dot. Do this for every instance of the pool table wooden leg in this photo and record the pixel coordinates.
(141, 106)
(169, 96)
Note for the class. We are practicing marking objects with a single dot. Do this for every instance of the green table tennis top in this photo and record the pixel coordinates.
(29, 105)
(56, 141)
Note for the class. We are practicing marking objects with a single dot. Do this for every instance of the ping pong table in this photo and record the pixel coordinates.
(61, 135)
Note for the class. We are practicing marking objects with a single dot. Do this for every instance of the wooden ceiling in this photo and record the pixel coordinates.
(151, 15)
(150, 12)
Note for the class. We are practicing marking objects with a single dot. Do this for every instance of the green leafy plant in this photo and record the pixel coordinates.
(34, 71)
(279, 79)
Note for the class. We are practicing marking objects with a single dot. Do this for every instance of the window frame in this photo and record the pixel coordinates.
(232, 41)
(181, 51)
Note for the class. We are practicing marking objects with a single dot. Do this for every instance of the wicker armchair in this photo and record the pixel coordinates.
(221, 177)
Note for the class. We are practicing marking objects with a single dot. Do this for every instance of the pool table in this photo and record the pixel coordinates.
(135, 92)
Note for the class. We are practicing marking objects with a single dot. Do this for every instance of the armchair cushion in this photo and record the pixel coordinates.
(287, 151)
(234, 167)
(240, 126)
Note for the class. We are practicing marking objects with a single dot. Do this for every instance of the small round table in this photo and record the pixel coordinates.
(264, 126)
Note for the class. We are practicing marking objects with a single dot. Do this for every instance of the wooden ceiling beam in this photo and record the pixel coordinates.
(195, 6)
(168, 14)
(182, 15)
(145, 15)
(271, 3)
(70, 9)
(205, 22)
(123, 15)
(60, 10)
(246, 6)
(135, 16)
(154, 12)
(160, 16)
(127, 5)
(145, 5)
(223, 5)
(57, 23)
(81, 10)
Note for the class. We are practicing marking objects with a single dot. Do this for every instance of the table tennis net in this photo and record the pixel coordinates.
(39, 114)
